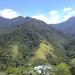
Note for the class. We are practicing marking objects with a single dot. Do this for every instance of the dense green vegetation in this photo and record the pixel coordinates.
(35, 43)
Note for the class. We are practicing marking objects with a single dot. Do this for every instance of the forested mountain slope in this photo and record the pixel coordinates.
(29, 42)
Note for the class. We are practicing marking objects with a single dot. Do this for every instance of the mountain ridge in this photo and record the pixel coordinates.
(28, 42)
(67, 27)
(29, 34)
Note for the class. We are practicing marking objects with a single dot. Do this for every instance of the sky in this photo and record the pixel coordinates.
(50, 11)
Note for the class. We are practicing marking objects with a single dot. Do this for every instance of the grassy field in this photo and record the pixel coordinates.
(2, 73)
(14, 51)
(41, 52)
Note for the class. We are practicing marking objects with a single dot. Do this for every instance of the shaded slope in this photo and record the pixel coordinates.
(67, 27)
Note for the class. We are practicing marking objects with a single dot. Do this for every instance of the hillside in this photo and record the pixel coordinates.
(67, 27)
(30, 43)
(30, 34)
(7, 25)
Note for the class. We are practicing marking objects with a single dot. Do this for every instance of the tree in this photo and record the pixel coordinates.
(72, 63)
(62, 69)
(11, 70)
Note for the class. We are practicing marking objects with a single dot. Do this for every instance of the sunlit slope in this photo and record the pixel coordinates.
(42, 51)
(14, 51)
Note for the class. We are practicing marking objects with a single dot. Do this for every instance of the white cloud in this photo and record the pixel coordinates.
(53, 12)
(68, 12)
(68, 9)
(8, 13)
(66, 17)
(72, 12)
(52, 18)
(42, 17)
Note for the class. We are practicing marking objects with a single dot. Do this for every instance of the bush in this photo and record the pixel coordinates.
(11, 70)
(62, 69)
(72, 63)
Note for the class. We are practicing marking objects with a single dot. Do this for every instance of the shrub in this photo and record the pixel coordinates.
(11, 70)
(62, 69)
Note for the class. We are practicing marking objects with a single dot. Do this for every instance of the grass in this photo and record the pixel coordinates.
(2, 73)
(41, 52)
(14, 51)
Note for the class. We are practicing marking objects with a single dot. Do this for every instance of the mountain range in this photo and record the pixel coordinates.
(28, 41)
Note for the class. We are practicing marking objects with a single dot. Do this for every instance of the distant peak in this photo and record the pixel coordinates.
(28, 17)
(2, 17)
(72, 18)
(20, 17)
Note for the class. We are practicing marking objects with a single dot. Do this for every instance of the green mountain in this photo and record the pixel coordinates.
(29, 42)
(31, 38)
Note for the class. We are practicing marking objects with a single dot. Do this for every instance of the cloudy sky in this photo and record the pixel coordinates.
(50, 11)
